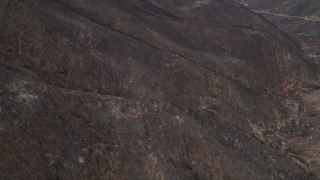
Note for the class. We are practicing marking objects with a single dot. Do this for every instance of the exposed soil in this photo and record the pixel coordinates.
(152, 90)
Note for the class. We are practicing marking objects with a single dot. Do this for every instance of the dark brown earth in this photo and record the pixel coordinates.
(152, 90)
(298, 18)
(306, 8)
(306, 32)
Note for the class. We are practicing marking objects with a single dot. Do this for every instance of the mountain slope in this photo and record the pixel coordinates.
(306, 8)
(145, 89)
(299, 19)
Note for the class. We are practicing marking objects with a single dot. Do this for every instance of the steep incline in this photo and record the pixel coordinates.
(307, 8)
(145, 90)
(298, 18)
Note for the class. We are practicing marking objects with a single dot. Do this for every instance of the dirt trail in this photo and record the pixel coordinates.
(287, 16)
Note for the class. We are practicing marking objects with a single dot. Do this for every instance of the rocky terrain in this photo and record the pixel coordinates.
(301, 21)
(150, 89)
(298, 18)
(305, 8)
